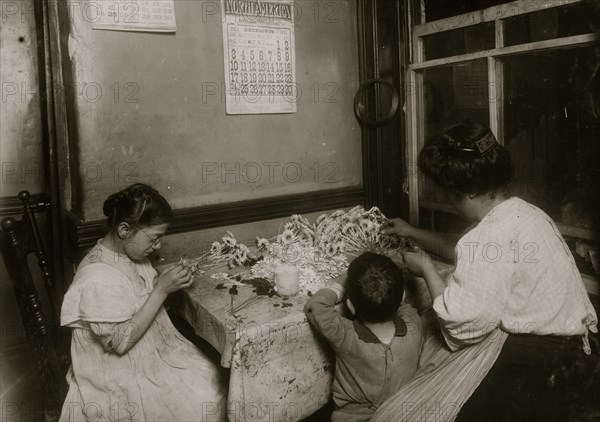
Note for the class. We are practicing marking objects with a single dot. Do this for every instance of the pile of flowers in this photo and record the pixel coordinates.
(229, 252)
(319, 249)
(353, 232)
(349, 233)
(297, 231)
(315, 269)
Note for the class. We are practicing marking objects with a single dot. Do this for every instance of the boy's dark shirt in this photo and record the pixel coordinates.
(367, 371)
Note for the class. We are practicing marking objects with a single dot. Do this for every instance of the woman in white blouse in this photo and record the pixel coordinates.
(513, 272)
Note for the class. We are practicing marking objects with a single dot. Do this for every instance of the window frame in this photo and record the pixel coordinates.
(418, 64)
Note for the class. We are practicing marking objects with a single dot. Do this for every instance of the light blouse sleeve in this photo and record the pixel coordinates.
(478, 290)
(114, 337)
(99, 293)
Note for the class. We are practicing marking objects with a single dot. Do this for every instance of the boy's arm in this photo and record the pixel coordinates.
(321, 314)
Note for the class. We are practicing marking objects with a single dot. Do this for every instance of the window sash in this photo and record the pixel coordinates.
(494, 13)
(414, 77)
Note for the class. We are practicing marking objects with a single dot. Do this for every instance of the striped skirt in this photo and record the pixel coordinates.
(444, 380)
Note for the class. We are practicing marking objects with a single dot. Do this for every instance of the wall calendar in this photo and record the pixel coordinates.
(260, 56)
(132, 15)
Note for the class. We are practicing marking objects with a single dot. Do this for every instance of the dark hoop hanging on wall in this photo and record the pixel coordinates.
(359, 106)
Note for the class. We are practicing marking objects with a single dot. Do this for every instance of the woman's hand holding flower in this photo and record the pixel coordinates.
(417, 261)
(174, 278)
(397, 226)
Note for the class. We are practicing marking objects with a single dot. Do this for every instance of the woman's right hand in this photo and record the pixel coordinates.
(397, 226)
(173, 278)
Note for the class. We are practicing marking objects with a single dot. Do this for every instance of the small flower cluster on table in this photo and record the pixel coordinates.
(320, 250)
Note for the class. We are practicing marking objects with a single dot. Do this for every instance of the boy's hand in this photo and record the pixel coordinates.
(341, 280)
(417, 261)
(397, 226)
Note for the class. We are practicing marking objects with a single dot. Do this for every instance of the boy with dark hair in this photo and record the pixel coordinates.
(379, 350)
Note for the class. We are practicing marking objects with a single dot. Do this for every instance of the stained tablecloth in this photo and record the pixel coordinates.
(280, 369)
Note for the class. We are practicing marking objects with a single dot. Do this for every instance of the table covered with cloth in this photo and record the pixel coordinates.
(282, 371)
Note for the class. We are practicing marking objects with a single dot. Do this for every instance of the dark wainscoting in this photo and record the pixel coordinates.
(84, 234)
(12, 205)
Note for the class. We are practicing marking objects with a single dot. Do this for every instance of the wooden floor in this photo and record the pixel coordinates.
(20, 400)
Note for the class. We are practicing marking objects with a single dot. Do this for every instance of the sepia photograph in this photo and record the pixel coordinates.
(300, 210)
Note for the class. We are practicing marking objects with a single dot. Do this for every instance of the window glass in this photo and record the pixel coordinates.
(440, 9)
(460, 41)
(548, 24)
(552, 130)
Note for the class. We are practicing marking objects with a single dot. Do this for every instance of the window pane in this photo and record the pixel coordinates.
(460, 41)
(552, 130)
(557, 22)
(440, 9)
(452, 94)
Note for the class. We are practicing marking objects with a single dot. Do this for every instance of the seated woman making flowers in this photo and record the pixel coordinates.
(128, 361)
(514, 310)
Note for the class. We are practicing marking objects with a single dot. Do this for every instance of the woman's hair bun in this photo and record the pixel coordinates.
(138, 204)
(467, 159)
(113, 200)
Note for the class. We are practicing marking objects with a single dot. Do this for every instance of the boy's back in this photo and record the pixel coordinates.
(367, 371)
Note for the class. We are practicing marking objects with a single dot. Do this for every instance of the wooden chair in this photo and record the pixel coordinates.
(19, 240)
